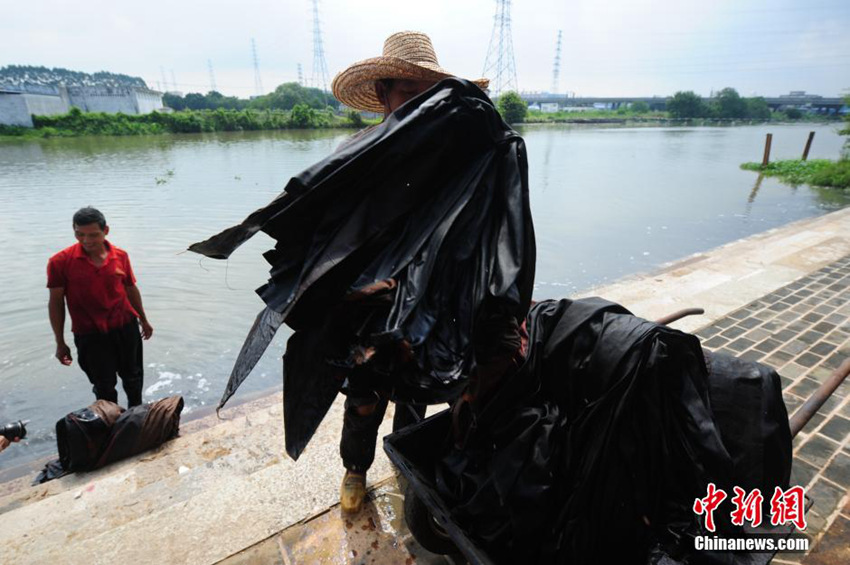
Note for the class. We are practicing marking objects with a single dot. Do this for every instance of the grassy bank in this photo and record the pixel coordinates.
(817, 172)
(76, 123)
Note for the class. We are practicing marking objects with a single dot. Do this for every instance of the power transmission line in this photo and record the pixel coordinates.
(499, 66)
(320, 66)
(258, 81)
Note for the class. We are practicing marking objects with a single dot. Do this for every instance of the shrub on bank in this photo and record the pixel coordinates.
(512, 108)
(817, 172)
(836, 175)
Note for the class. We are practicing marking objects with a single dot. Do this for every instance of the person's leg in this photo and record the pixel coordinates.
(357, 448)
(364, 411)
(360, 433)
(98, 360)
(128, 343)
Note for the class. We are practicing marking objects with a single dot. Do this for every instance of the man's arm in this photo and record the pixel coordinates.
(56, 310)
(135, 298)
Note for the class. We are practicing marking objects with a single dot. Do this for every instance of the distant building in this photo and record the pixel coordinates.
(18, 104)
(343, 109)
(549, 107)
(26, 91)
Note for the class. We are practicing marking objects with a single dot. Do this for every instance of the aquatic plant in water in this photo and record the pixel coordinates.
(817, 172)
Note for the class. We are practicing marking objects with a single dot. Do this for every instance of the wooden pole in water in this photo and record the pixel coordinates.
(768, 140)
(808, 145)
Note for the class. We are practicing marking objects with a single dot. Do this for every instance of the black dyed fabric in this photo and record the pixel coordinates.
(103, 433)
(436, 199)
(595, 449)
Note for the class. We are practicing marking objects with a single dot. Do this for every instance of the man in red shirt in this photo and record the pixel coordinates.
(97, 282)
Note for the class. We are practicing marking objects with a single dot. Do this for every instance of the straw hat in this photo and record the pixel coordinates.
(408, 55)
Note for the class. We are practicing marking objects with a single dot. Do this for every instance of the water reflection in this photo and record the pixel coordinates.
(754, 192)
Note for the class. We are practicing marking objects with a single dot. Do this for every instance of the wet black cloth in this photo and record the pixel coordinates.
(103, 433)
(595, 449)
(434, 198)
(103, 355)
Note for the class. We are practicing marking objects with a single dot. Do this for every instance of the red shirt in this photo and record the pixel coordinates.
(97, 297)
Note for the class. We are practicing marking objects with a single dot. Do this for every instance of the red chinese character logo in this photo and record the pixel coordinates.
(747, 508)
(788, 506)
(709, 504)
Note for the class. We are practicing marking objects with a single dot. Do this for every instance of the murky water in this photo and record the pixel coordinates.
(607, 202)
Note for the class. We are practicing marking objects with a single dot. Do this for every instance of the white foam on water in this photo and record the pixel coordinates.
(166, 378)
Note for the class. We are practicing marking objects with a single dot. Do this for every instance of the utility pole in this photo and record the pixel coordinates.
(300, 75)
(320, 66)
(499, 66)
(212, 76)
(258, 82)
(556, 69)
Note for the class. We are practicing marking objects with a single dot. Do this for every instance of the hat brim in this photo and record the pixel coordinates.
(355, 86)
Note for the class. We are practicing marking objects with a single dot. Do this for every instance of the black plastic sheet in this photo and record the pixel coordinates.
(594, 451)
(436, 199)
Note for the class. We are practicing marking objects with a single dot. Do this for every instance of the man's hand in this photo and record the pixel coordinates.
(63, 354)
(4, 443)
(135, 298)
(147, 329)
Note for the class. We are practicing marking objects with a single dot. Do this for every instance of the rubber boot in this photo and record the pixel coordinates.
(352, 492)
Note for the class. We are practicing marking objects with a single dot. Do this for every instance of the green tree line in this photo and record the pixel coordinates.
(285, 97)
(726, 104)
(684, 104)
(19, 74)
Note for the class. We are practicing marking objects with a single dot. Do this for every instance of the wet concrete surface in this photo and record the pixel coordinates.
(377, 535)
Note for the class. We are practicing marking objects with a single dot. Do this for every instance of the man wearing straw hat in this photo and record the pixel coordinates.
(407, 68)
(404, 261)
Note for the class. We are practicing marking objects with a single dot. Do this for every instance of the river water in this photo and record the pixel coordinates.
(607, 202)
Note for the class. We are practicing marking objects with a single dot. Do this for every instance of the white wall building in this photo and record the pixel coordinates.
(18, 105)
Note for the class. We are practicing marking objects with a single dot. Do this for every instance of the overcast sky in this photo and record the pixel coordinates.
(618, 47)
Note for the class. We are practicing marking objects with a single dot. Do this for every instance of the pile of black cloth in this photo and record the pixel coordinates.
(596, 448)
(103, 433)
(393, 250)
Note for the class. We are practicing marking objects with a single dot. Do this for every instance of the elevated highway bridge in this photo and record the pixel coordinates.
(818, 103)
